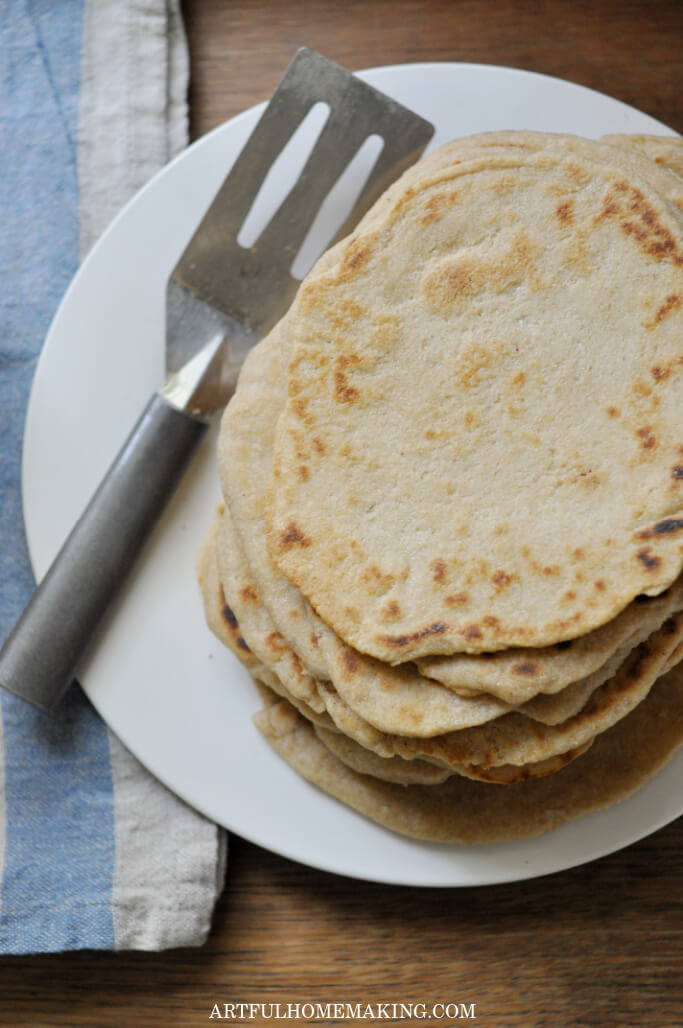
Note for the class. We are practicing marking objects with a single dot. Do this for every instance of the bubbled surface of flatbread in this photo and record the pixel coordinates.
(461, 464)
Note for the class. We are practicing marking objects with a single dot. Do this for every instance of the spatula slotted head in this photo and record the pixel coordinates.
(254, 286)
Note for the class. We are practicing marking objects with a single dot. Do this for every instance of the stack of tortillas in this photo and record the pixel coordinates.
(451, 543)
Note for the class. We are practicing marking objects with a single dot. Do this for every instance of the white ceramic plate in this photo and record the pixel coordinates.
(180, 702)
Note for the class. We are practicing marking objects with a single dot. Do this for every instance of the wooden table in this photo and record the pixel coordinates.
(600, 945)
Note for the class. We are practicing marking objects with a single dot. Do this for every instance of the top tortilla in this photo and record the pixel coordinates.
(461, 464)
(663, 150)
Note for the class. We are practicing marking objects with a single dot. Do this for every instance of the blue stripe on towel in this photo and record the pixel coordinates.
(59, 852)
(59, 848)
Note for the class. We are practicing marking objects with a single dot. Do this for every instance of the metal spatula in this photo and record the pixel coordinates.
(221, 299)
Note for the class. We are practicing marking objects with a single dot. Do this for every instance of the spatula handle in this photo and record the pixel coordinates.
(40, 656)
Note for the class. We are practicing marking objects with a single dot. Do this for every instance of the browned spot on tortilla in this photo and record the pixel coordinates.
(500, 579)
(600, 585)
(636, 668)
(472, 632)
(304, 473)
(456, 599)
(318, 445)
(227, 612)
(639, 220)
(641, 388)
(647, 560)
(668, 526)
(343, 392)
(391, 611)
(231, 621)
(665, 527)
(299, 406)
(672, 303)
(519, 378)
(490, 621)
(525, 668)
(293, 535)
(276, 642)
(613, 412)
(565, 212)
(476, 359)
(677, 471)
(578, 174)
(357, 253)
(377, 579)
(569, 595)
(249, 594)
(405, 198)
(434, 205)
(648, 440)
(403, 640)
(350, 659)
(438, 570)
(455, 278)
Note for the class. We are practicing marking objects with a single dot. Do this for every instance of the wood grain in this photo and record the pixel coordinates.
(630, 50)
(599, 945)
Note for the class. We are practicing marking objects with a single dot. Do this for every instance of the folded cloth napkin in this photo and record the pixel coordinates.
(94, 853)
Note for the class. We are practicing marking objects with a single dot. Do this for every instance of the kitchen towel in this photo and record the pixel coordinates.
(94, 853)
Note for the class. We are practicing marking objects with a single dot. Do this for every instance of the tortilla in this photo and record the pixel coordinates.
(397, 700)
(620, 761)
(666, 151)
(470, 506)
(421, 772)
(517, 674)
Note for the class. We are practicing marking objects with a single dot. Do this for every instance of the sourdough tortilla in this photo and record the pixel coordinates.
(619, 762)
(397, 700)
(515, 739)
(510, 739)
(434, 713)
(393, 704)
(460, 459)
(664, 150)
(517, 674)
(223, 622)
(245, 461)
(420, 772)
